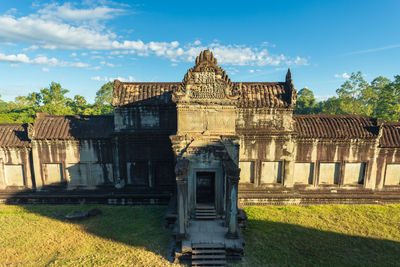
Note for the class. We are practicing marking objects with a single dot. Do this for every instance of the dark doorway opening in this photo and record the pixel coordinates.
(205, 187)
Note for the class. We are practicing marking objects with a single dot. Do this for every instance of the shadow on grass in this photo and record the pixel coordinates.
(268, 243)
(279, 244)
(136, 226)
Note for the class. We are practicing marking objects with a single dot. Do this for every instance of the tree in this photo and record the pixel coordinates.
(34, 99)
(331, 106)
(306, 103)
(388, 103)
(104, 94)
(355, 95)
(55, 100)
(78, 104)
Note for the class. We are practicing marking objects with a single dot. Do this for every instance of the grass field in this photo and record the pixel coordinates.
(133, 236)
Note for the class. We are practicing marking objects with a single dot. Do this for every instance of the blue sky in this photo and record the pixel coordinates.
(84, 44)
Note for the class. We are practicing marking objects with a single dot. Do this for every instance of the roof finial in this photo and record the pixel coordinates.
(288, 76)
(206, 56)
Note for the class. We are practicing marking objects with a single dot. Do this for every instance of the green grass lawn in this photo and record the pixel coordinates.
(334, 235)
(133, 236)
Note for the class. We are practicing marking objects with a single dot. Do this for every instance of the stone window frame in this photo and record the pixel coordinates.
(149, 180)
(340, 177)
(63, 181)
(91, 163)
(78, 162)
(384, 178)
(314, 175)
(342, 172)
(282, 176)
(153, 166)
(256, 176)
(24, 172)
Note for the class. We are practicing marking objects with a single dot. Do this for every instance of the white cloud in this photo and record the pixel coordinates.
(44, 69)
(344, 75)
(73, 54)
(39, 60)
(52, 28)
(69, 13)
(111, 79)
(96, 78)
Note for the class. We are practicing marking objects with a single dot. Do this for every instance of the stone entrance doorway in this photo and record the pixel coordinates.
(205, 188)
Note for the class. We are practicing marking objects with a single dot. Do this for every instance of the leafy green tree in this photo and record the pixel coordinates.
(306, 103)
(35, 99)
(54, 100)
(102, 104)
(104, 94)
(354, 95)
(331, 106)
(78, 104)
(388, 103)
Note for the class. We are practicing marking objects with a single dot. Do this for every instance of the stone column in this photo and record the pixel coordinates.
(288, 173)
(116, 174)
(181, 183)
(36, 165)
(181, 172)
(232, 208)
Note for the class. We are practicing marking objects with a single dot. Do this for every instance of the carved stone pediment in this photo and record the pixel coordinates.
(206, 82)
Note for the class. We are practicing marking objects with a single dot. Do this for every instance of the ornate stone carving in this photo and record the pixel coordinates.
(205, 82)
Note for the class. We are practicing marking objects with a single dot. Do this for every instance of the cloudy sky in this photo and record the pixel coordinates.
(84, 44)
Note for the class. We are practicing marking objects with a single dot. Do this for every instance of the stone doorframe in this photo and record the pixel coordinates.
(219, 187)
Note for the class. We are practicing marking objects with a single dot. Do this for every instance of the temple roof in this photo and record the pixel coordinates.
(206, 82)
(13, 135)
(336, 126)
(251, 94)
(73, 127)
(390, 134)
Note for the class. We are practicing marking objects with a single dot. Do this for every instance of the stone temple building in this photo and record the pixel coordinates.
(209, 144)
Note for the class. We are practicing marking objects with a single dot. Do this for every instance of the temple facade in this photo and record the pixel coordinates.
(205, 140)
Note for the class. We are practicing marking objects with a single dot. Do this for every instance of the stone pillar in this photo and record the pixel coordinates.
(181, 183)
(36, 165)
(116, 172)
(232, 208)
(288, 173)
(181, 172)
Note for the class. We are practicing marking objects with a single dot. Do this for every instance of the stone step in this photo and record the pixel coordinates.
(205, 207)
(206, 217)
(214, 251)
(206, 214)
(208, 246)
(209, 263)
(208, 257)
(206, 211)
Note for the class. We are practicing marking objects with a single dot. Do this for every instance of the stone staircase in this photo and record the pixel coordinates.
(205, 212)
(208, 255)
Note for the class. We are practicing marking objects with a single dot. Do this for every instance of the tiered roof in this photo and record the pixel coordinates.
(336, 126)
(390, 134)
(14, 135)
(73, 127)
(252, 94)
